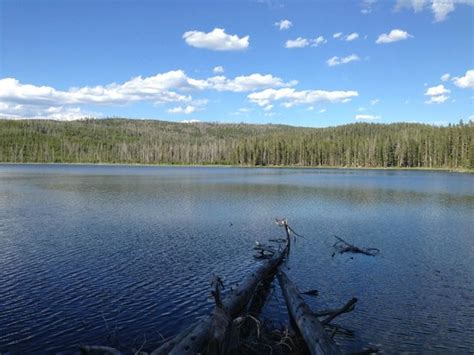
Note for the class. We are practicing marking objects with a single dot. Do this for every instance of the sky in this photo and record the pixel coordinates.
(302, 63)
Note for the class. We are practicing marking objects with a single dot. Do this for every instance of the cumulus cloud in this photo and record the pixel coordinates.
(182, 110)
(445, 77)
(374, 102)
(218, 70)
(300, 42)
(438, 94)
(394, 36)
(437, 90)
(337, 35)
(17, 111)
(25, 100)
(342, 60)
(291, 97)
(351, 37)
(283, 24)
(216, 40)
(245, 83)
(367, 117)
(466, 81)
(437, 99)
(439, 8)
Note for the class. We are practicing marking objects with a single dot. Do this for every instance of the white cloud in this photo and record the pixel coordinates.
(218, 70)
(439, 8)
(291, 97)
(318, 41)
(342, 60)
(337, 35)
(437, 99)
(182, 110)
(322, 110)
(367, 6)
(374, 102)
(25, 100)
(245, 83)
(284, 24)
(445, 77)
(300, 42)
(367, 117)
(216, 40)
(438, 94)
(466, 81)
(394, 36)
(361, 109)
(351, 37)
(437, 90)
(59, 113)
(190, 121)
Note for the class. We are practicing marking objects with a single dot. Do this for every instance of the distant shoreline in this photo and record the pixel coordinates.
(448, 170)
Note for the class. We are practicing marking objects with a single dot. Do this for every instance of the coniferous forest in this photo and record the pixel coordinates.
(402, 145)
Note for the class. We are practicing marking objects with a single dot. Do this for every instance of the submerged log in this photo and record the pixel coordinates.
(211, 334)
(341, 247)
(318, 341)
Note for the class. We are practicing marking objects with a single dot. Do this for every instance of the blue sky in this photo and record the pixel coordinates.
(239, 61)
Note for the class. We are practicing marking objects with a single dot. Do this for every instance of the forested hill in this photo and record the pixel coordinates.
(158, 142)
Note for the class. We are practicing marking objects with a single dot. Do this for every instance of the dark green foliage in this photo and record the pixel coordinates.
(158, 142)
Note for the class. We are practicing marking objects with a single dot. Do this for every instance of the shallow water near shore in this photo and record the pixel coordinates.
(86, 251)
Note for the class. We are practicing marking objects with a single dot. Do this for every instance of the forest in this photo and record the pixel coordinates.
(127, 141)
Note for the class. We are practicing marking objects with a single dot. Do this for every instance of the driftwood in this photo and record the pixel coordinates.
(219, 333)
(318, 341)
(214, 330)
(91, 350)
(341, 247)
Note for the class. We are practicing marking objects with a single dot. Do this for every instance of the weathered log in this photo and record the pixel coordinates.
(216, 326)
(348, 307)
(90, 350)
(341, 247)
(318, 341)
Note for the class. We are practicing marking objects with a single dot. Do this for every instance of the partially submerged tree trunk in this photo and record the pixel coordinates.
(318, 341)
(214, 330)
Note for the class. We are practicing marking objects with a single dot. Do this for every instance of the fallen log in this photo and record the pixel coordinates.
(318, 341)
(211, 334)
(341, 247)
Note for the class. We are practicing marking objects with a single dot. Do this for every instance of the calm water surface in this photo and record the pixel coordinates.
(89, 252)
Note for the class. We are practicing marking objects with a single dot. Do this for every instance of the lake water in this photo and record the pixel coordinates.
(92, 254)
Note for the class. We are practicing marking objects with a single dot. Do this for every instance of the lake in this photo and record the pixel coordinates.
(92, 254)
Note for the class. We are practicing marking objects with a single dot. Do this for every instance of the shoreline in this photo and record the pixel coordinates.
(448, 170)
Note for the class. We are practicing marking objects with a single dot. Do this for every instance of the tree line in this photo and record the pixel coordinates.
(401, 145)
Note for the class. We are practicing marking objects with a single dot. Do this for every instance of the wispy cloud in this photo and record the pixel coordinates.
(367, 6)
(367, 117)
(342, 60)
(301, 42)
(440, 8)
(291, 97)
(351, 37)
(284, 24)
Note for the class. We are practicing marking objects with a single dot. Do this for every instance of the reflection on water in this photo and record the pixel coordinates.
(136, 246)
